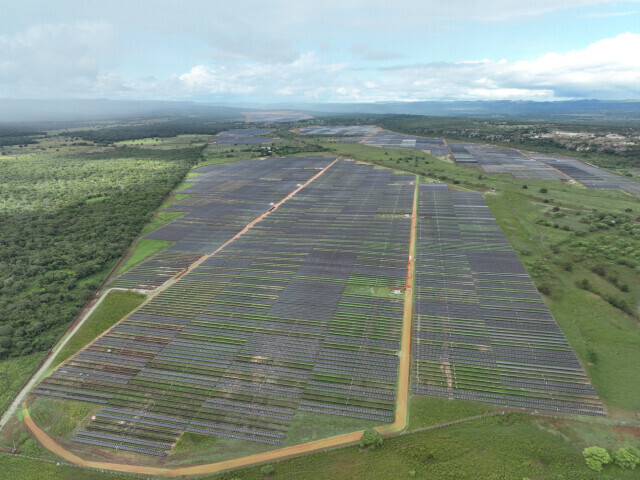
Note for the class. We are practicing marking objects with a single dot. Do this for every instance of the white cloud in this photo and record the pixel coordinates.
(68, 59)
(305, 77)
(53, 57)
(609, 68)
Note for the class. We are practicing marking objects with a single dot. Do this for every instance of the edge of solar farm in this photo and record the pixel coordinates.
(482, 331)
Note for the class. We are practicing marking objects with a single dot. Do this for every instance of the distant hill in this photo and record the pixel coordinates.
(579, 111)
(598, 111)
(101, 109)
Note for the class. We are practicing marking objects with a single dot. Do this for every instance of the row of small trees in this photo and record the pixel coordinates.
(625, 457)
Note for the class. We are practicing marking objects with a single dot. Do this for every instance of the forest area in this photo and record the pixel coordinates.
(68, 215)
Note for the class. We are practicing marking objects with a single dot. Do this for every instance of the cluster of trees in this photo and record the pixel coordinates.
(626, 457)
(169, 128)
(18, 136)
(617, 240)
(65, 221)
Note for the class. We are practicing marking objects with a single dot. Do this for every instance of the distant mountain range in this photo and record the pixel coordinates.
(597, 111)
(569, 111)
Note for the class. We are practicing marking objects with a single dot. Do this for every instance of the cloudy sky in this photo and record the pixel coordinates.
(282, 51)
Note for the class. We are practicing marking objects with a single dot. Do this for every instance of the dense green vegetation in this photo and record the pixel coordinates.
(18, 136)
(503, 447)
(55, 247)
(370, 439)
(163, 129)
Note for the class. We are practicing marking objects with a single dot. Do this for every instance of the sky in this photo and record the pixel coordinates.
(298, 51)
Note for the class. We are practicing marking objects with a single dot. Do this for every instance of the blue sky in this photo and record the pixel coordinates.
(281, 51)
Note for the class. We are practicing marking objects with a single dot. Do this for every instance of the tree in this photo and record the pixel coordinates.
(627, 457)
(596, 458)
(371, 439)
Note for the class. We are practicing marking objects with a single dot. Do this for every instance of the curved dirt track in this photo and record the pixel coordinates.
(349, 438)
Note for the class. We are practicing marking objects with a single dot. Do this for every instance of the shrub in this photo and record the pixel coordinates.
(524, 187)
(371, 439)
(268, 470)
(619, 303)
(627, 457)
(596, 458)
(599, 270)
(545, 289)
(543, 190)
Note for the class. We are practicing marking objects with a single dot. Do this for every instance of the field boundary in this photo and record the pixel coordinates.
(53, 353)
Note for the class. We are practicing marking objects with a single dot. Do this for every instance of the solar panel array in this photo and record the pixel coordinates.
(340, 130)
(589, 175)
(375, 136)
(224, 199)
(387, 139)
(243, 136)
(481, 330)
(297, 314)
(494, 159)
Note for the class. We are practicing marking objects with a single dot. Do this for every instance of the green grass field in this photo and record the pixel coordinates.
(113, 308)
(14, 373)
(426, 411)
(25, 468)
(510, 447)
(144, 248)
